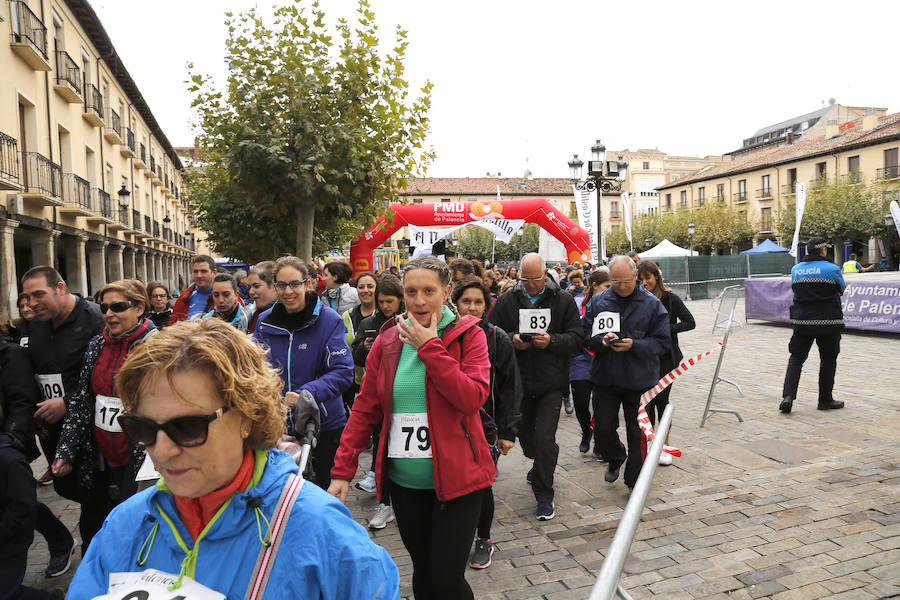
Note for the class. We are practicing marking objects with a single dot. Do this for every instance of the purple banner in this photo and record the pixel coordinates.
(871, 305)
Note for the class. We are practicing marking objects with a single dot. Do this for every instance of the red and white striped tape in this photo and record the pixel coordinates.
(667, 380)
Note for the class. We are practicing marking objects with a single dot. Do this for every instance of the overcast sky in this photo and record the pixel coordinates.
(528, 83)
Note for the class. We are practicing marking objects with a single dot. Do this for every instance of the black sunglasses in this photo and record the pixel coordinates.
(117, 307)
(187, 432)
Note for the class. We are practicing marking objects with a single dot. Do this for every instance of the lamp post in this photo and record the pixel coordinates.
(123, 204)
(521, 234)
(687, 262)
(605, 176)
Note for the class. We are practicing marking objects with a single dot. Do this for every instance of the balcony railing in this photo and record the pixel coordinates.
(68, 73)
(27, 27)
(892, 172)
(135, 220)
(766, 226)
(720, 198)
(615, 214)
(852, 178)
(123, 214)
(789, 189)
(156, 229)
(77, 192)
(147, 226)
(764, 193)
(152, 165)
(43, 176)
(9, 159)
(115, 123)
(93, 104)
(739, 197)
(819, 181)
(106, 205)
(143, 154)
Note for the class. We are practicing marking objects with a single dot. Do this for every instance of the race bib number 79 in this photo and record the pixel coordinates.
(51, 385)
(534, 320)
(409, 437)
(605, 322)
(154, 585)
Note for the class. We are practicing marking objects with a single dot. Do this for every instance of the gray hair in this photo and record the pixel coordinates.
(430, 263)
(621, 258)
(532, 256)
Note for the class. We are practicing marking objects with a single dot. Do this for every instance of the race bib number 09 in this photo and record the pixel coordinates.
(605, 322)
(51, 385)
(154, 585)
(106, 409)
(409, 437)
(534, 320)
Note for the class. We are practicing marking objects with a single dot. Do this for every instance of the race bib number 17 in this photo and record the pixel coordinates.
(51, 385)
(106, 409)
(534, 320)
(605, 322)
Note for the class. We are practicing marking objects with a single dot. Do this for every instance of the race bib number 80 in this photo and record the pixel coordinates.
(409, 436)
(605, 322)
(534, 320)
(51, 385)
(154, 585)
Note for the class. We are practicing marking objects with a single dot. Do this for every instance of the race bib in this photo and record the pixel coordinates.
(409, 437)
(23, 341)
(147, 472)
(51, 385)
(106, 409)
(534, 320)
(605, 322)
(154, 585)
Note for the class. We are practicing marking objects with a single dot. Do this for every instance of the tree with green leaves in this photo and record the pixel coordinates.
(837, 210)
(475, 242)
(310, 138)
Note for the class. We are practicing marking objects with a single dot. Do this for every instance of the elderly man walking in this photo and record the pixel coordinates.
(627, 329)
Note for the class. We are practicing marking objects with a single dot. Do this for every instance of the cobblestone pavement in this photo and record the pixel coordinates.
(793, 506)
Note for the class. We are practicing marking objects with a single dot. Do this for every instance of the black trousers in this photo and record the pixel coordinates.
(581, 396)
(48, 525)
(487, 505)
(12, 573)
(322, 456)
(111, 487)
(438, 536)
(606, 418)
(537, 433)
(799, 346)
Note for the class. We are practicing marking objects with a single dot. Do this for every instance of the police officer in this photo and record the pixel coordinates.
(548, 330)
(817, 317)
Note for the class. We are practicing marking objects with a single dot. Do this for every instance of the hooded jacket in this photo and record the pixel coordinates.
(644, 319)
(457, 380)
(546, 369)
(345, 296)
(313, 357)
(323, 553)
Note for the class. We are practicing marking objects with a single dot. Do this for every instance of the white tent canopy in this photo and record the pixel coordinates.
(666, 248)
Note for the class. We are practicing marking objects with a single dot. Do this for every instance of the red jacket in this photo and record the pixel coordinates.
(455, 390)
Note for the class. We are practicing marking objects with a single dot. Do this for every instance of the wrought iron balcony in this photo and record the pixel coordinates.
(68, 78)
(93, 105)
(852, 178)
(789, 189)
(140, 160)
(892, 172)
(147, 223)
(615, 214)
(739, 197)
(127, 149)
(29, 36)
(765, 226)
(135, 220)
(106, 205)
(764, 193)
(9, 163)
(43, 177)
(76, 195)
(156, 233)
(113, 131)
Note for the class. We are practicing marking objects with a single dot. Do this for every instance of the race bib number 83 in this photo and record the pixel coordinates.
(534, 320)
(409, 437)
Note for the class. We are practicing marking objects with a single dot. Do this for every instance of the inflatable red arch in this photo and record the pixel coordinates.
(447, 214)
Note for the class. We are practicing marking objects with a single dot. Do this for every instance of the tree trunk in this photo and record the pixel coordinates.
(306, 218)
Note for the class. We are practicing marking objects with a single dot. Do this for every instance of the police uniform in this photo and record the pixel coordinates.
(817, 316)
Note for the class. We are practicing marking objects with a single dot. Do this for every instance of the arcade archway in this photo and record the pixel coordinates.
(448, 214)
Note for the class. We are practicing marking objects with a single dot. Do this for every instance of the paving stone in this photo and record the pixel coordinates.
(758, 576)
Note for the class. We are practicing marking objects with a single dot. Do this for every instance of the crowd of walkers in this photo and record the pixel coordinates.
(437, 370)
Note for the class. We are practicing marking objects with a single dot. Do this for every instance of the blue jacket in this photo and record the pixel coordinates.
(314, 357)
(646, 322)
(817, 284)
(323, 553)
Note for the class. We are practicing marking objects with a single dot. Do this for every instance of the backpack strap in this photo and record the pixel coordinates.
(266, 559)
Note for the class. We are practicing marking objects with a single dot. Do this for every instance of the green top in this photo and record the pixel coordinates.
(409, 397)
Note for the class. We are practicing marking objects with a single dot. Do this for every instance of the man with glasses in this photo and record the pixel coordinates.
(548, 330)
(58, 338)
(627, 328)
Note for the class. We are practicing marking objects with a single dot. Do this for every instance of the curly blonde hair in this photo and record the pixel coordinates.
(236, 365)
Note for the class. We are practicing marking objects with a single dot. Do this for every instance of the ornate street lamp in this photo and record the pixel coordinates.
(123, 204)
(604, 175)
(691, 236)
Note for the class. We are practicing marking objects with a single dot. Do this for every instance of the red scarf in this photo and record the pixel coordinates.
(195, 513)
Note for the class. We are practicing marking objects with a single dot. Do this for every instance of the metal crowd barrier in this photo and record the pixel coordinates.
(607, 585)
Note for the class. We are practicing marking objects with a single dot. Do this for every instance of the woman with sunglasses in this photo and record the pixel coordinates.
(160, 311)
(92, 443)
(306, 344)
(203, 402)
(427, 377)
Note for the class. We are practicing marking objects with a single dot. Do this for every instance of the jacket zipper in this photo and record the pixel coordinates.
(438, 490)
(469, 440)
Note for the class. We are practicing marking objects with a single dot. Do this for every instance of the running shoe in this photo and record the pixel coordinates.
(384, 514)
(46, 478)
(544, 511)
(60, 561)
(529, 476)
(367, 483)
(665, 459)
(569, 405)
(481, 556)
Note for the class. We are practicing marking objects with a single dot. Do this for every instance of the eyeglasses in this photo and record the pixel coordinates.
(527, 279)
(117, 307)
(620, 283)
(156, 296)
(295, 285)
(187, 432)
